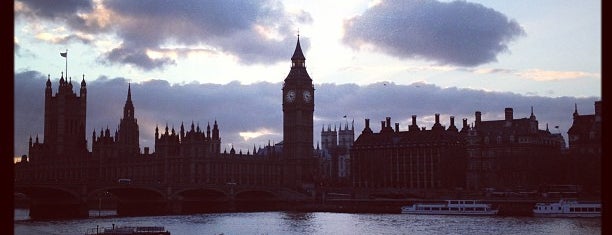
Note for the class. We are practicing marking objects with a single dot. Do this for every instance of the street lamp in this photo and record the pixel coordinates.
(99, 203)
(100, 194)
(231, 184)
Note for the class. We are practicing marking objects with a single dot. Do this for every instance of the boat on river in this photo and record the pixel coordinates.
(451, 207)
(567, 208)
(129, 230)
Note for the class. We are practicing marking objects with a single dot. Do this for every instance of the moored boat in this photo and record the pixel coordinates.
(451, 207)
(138, 230)
(567, 208)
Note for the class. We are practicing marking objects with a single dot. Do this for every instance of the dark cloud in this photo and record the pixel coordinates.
(29, 108)
(255, 32)
(250, 108)
(67, 11)
(229, 26)
(137, 57)
(184, 18)
(57, 9)
(456, 33)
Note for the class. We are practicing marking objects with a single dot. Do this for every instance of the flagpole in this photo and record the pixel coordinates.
(66, 64)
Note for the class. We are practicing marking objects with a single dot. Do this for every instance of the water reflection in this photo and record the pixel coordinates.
(318, 223)
(297, 217)
(298, 222)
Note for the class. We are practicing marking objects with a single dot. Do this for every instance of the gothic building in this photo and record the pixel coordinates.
(126, 140)
(190, 156)
(298, 108)
(192, 144)
(335, 152)
(328, 154)
(65, 120)
(194, 155)
(64, 143)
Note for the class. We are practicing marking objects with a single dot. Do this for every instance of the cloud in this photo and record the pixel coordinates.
(53, 9)
(535, 74)
(491, 71)
(233, 27)
(23, 52)
(29, 108)
(252, 114)
(450, 33)
(247, 135)
(255, 32)
(175, 52)
(71, 12)
(137, 57)
(548, 75)
(57, 39)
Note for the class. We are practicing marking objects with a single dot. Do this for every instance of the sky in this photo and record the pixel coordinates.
(224, 60)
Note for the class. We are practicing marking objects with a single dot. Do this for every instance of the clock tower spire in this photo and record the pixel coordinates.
(298, 59)
(298, 109)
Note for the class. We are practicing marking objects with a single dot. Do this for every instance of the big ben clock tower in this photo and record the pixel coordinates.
(298, 108)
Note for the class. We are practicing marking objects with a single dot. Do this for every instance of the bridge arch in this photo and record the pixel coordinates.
(39, 192)
(201, 193)
(255, 194)
(200, 200)
(134, 200)
(48, 202)
(129, 192)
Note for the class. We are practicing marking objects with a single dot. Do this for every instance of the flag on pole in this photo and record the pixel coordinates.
(65, 55)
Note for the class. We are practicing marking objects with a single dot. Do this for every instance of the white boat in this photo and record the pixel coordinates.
(451, 207)
(567, 208)
(129, 230)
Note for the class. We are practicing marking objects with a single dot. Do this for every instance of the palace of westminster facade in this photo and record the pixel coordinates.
(506, 153)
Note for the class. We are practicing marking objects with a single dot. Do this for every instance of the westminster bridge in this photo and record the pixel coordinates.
(149, 185)
(72, 199)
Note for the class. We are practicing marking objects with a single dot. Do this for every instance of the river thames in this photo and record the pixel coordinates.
(314, 223)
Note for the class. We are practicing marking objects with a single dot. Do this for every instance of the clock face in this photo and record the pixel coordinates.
(307, 96)
(290, 96)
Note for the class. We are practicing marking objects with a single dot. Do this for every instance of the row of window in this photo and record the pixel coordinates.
(585, 209)
(573, 209)
(452, 209)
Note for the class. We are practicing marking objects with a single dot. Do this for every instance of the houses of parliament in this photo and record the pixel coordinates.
(508, 153)
(188, 155)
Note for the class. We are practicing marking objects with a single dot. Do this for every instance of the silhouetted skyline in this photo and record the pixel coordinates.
(359, 68)
(255, 110)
